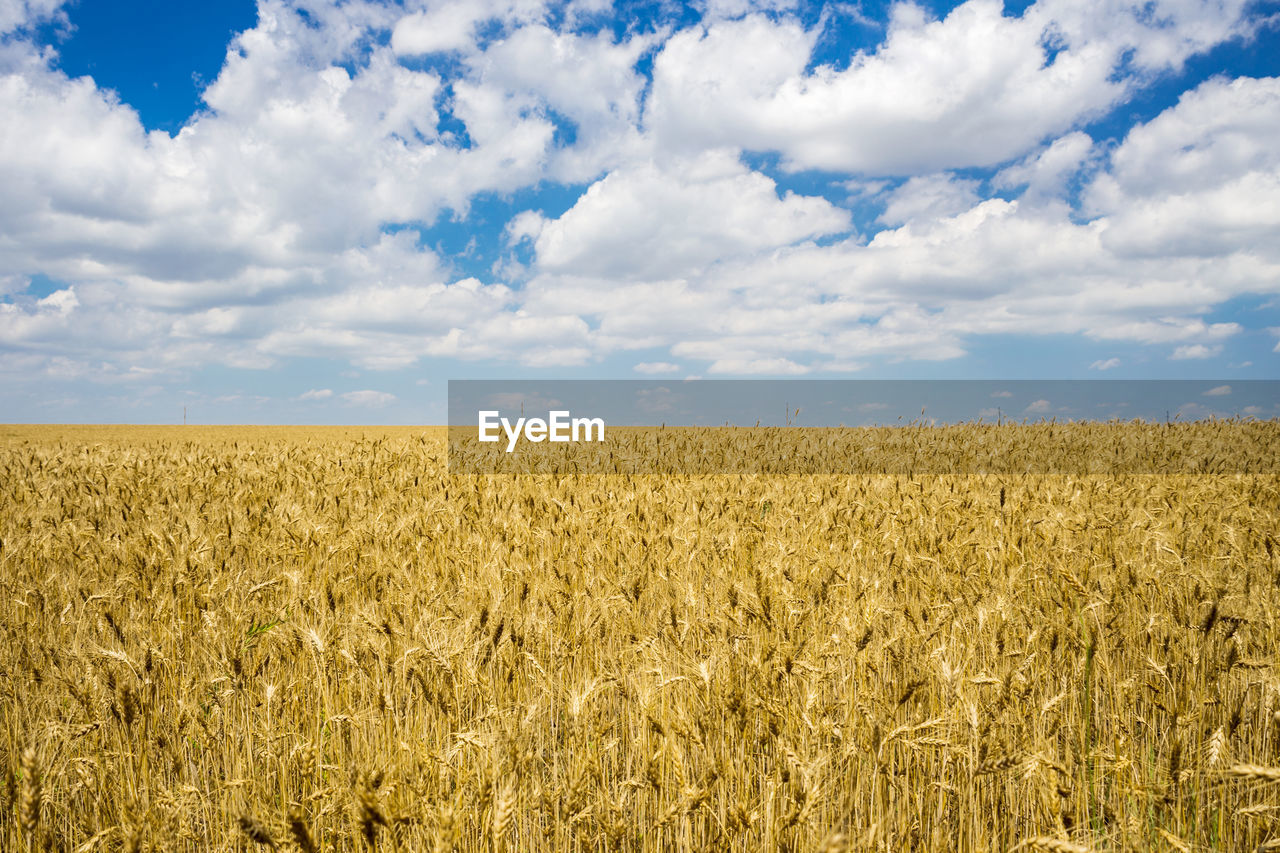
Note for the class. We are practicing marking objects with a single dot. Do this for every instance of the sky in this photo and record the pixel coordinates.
(319, 212)
(855, 402)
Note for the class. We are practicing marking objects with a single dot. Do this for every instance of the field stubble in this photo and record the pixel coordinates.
(317, 639)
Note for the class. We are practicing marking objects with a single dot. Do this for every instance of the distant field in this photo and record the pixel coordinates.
(235, 638)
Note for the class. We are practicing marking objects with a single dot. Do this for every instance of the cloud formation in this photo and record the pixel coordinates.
(975, 88)
(958, 194)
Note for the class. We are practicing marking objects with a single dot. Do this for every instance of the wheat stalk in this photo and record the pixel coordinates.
(1255, 772)
(1048, 844)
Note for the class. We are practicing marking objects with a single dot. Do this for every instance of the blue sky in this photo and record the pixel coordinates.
(306, 212)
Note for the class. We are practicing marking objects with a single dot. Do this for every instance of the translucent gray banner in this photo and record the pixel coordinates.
(863, 426)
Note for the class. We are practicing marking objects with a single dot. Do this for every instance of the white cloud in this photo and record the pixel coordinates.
(18, 14)
(47, 319)
(1038, 407)
(1194, 351)
(1218, 391)
(1045, 173)
(234, 206)
(927, 197)
(1155, 36)
(656, 367)
(1105, 364)
(368, 399)
(840, 365)
(729, 9)
(538, 69)
(650, 222)
(255, 232)
(259, 232)
(1201, 180)
(758, 366)
(525, 225)
(450, 25)
(974, 89)
(915, 291)
(316, 394)
(1168, 330)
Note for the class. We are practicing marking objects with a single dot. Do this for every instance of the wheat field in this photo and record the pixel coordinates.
(317, 639)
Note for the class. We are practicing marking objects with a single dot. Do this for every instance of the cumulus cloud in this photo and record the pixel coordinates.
(316, 394)
(650, 222)
(928, 197)
(536, 69)
(1218, 391)
(1105, 364)
(270, 205)
(975, 88)
(955, 265)
(237, 196)
(450, 25)
(283, 220)
(18, 14)
(958, 265)
(1199, 180)
(1044, 174)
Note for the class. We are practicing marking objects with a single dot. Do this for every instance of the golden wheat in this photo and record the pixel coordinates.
(319, 639)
